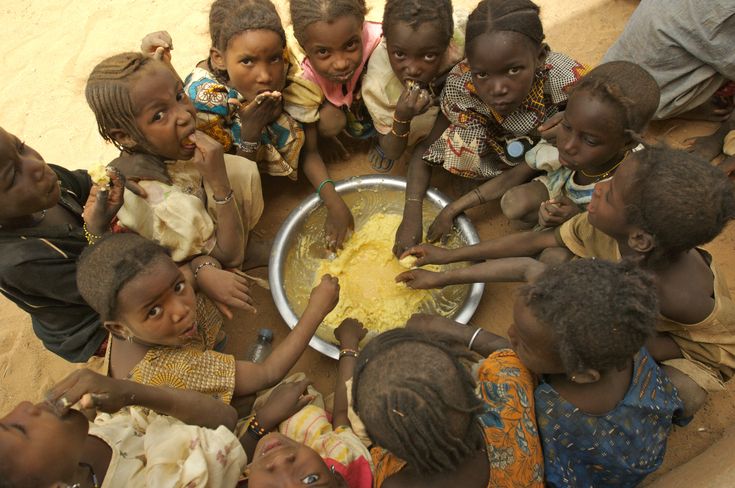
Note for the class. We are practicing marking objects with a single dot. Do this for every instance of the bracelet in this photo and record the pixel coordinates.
(400, 121)
(204, 265)
(224, 200)
(321, 185)
(474, 336)
(249, 147)
(91, 238)
(348, 352)
(257, 430)
(477, 193)
(402, 136)
(414, 199)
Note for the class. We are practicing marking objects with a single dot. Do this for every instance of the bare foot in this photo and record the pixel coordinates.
(257, 253)
(711, 111)
(709, 147)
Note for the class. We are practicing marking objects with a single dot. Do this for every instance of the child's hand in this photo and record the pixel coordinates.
(420, 279)
(407, 236)
(557, 211)
(285, 400)
(226, 289)
(412, 102)
(209, 158)
(140, 166)
(103, 204)
(428, 254)
(325, 295)
(548, 129)
(93, 391)
(257, 114)
(349, 333)
(339, 222)
(158, 45)
(442, 225)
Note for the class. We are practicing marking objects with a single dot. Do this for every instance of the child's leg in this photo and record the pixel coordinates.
(332, 120)
(692, 395)
(523, 201)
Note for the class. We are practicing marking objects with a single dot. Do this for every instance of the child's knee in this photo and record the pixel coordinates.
(554, 256)
(515, 204)
(691, 394)
(332, 121)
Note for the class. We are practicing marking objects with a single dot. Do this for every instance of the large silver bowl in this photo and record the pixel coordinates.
(370, 185)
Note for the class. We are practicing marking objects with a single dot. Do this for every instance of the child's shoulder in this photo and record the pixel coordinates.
(688, 290)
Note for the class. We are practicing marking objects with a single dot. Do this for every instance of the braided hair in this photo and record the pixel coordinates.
(417, 400)
(105, 268)
(678, 198)
(629, 87)
(228, 18)
(418, 12)
(306, 12)
(521, 16)
(108, 95)
(600, 312)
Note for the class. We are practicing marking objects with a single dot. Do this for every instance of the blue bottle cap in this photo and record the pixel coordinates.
(266, 334)
(515, 149)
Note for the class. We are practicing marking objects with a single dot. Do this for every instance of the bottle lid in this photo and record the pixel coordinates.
(515, 149)
(266, 334)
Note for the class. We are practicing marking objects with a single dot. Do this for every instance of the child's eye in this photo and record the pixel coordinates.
(246, 61)
(310, 479)
(322, 51)
(180, 96)
(430, 58)
(480, 75)
(158, 116)
(180, 286)
(155, 312)
(514, 70)
(399, 54)
(351, 45)
(590, 142)
(276, 59)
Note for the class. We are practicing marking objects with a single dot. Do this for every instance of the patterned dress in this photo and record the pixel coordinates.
(618, 448)
(473, 146)
(508, 425)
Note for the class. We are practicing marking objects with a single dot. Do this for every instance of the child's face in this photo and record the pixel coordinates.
(279, 462)
(163, 113)
(158, 306)
(607, 209)
(532, 341)
(27, 183)
(591, 133)
(414, 54)
(254, 62)
(41, 443)
(503, 67)
(335, 48)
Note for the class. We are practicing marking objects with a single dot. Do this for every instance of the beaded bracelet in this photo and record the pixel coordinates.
(321, 185)
(257, 430)
(204, 265)
(348, 352)
(249, 147)
(91, 238)
(224, 200)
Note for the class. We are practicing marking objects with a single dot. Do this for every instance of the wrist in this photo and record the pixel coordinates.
(350, 344)
(221, 190)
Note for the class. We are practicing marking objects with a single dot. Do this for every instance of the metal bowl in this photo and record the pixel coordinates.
(294, 224)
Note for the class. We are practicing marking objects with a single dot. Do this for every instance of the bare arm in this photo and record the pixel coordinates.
(497, 270)
(349, 334)
(513, 245)
(485, 342)
(662, 347)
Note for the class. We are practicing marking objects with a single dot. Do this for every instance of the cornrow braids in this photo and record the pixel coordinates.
(418, 12)
(600, 312)
(306, 12)
(108, 95)
(418, 400)
(521, 16)
(634, 92)
(228, 18)
(105, 268)
(678, 198)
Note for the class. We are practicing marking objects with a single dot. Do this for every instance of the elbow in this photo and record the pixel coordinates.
(229, 419)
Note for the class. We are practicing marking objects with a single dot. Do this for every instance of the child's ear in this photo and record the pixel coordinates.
(585, 376)
(117, 329)
(123, 138)
(543, 52)
(641, 241)
(218, 59)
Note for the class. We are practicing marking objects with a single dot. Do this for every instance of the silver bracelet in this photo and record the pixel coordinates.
(249, 147)
(474, 336)
(203, 265)
(224, 200)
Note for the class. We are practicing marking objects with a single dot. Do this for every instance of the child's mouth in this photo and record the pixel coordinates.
(189, 142)
(270, 445)
(190, 332)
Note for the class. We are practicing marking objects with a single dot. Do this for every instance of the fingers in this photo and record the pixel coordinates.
(552, 122)
(134, 187)
(224, 309)
(405, 277)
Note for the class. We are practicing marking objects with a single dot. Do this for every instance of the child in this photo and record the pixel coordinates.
(647, 212)
(237, 90)
(163, 333)
(336, 42)
(422, 42)
(45, 213)
(604, 408)
(210, 202)
(604, 107)
(326, 455)
(418, 402)
(508, 86)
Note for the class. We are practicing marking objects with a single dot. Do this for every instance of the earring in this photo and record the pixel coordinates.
(332, 469)
(129, 338)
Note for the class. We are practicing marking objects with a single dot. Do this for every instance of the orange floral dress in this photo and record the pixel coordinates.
(508, 424)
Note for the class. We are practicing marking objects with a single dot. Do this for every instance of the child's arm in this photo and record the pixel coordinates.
(252, 377)
(349, 334)
(339, 218)
(158, 45)
(209, 159)
(95, 391)
(225, 288)
(484, 343)
(412, 102)
(498, 270)
(410, 231)
(488, 191)
(254, 117)
(662, 347)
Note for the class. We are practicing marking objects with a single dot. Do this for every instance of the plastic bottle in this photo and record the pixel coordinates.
(260, 350)
(515, 149)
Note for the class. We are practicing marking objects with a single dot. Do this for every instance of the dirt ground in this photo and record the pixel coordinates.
(50, 46)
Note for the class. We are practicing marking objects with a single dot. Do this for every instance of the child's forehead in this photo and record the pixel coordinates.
(335, 31)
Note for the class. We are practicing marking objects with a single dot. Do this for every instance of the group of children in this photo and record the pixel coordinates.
(623, 327)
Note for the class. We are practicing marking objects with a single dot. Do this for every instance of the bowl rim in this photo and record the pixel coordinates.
(276, 265)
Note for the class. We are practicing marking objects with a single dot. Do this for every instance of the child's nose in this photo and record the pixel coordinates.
(413, 71)
(341, 64)
(498, 87)
(179, 310)
(263, 77)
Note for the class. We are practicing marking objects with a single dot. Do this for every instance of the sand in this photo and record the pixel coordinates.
(50, 46)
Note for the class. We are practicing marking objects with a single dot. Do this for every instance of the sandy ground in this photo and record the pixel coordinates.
(50, 46)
